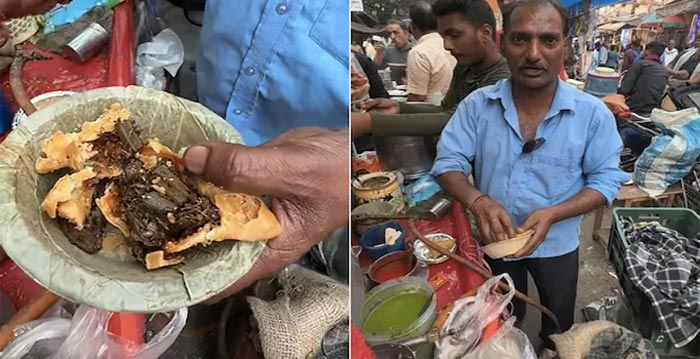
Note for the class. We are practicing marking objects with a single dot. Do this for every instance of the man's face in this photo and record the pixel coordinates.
(397, 35)
(534, 46)
(672, 44)
(461, 38)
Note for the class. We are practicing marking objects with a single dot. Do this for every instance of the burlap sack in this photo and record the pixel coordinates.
(293, 325)
(576, 342)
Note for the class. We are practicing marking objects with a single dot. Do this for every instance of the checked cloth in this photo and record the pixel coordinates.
(665, 265)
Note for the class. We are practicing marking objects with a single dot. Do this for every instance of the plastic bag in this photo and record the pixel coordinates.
(508, 343)
(85, 336)
(671, 154)
(164, 51)
(471, 315)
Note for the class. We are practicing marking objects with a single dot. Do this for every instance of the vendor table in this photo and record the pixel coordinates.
(450, 279)
(114, 67)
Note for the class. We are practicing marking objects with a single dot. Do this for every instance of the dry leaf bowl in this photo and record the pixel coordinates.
(110, 279)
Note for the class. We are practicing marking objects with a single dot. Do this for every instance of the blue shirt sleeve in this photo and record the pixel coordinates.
(457, 146)
(601, 160)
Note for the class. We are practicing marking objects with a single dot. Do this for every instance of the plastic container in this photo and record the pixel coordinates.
(602, 82)
(373, 240)
(683, 220)
(395, 300)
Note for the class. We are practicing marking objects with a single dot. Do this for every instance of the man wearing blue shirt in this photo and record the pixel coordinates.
(542, 154)
(278, 71)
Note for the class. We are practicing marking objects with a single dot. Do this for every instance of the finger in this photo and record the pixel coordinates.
(298, 134)
(484, 229)
(507, 225)
(531, 244)
(529, 224)
(252, 170)
(497, 232)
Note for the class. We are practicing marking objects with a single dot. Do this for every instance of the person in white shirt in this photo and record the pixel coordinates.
(670, 53)
(602, 55)
(429, 66)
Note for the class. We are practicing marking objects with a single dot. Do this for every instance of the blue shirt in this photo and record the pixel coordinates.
(581, 149)
(269, 66)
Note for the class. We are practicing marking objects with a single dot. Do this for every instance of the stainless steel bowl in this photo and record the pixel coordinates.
(421, 251)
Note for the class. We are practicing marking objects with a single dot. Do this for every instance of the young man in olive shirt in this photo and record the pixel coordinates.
(468, 29)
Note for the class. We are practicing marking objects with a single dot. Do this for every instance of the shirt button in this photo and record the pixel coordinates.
(250, 71)
(281, 9)
(237, 111)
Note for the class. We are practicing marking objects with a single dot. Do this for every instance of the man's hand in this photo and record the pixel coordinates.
(10, 9)
(675, 82)
(616, 103)
(381, 105)
(305, 172)
(682, 74)
(539, 221)
(493, 220)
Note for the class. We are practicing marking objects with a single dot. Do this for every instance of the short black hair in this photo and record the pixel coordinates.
(422, 16)
(477, 12)
(403, 25)
(510, 9)
(613, 47)
(655, 47)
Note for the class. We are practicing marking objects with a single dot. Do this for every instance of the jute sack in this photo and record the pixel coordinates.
(293, 325)
(576, 342)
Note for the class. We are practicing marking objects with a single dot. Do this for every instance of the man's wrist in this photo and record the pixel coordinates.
(476, 201)
(362, 124)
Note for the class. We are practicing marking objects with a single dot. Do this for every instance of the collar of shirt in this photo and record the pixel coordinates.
(564, 100)
(433, 36)
(653, 57)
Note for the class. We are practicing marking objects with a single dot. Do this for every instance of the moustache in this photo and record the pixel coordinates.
(533, 67)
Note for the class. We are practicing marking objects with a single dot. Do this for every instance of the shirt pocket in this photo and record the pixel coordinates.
(330, 25)
(551, 176)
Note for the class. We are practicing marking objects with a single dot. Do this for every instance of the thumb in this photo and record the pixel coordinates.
(252, 170)
(527, 225)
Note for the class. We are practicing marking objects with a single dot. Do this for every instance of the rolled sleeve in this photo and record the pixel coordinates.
(418, 73)
(457, 146)
(601, 161)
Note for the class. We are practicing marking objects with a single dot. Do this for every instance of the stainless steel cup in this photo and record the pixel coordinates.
(87, 44)
(441, 208)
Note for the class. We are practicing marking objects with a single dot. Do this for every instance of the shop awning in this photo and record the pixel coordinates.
(613, 27)
(667, 22)
(679, 7)
(357, 27)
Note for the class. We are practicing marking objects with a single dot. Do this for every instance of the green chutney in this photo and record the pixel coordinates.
(395, 313)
